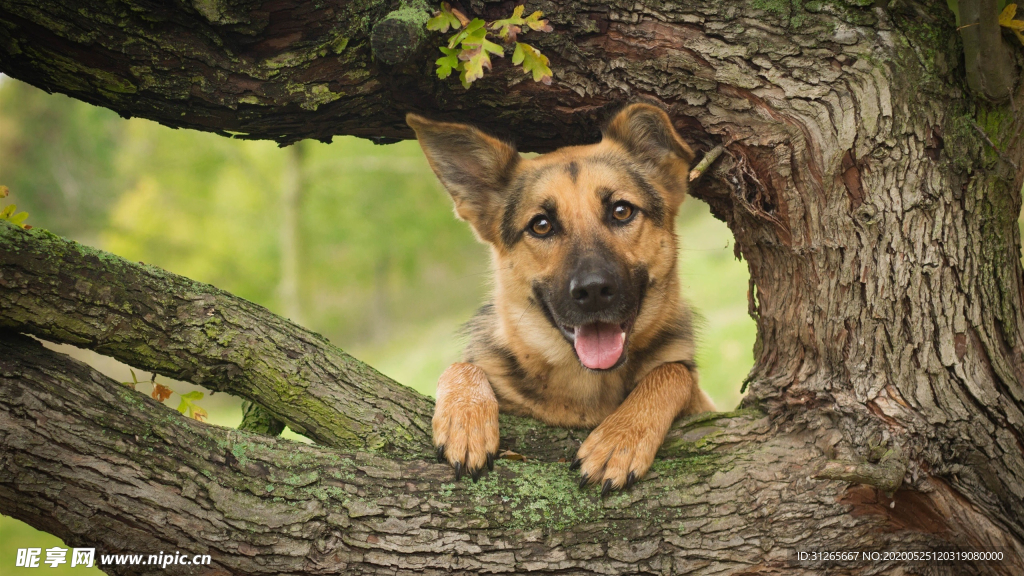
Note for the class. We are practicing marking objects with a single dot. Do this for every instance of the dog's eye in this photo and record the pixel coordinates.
(622, 211)
(541, 227)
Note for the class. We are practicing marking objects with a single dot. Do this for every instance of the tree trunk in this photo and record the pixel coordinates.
(873, 196)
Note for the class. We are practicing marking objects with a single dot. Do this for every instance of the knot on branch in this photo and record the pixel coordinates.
(257, 419)
(886, 475)
(401, 34)
(225, 11)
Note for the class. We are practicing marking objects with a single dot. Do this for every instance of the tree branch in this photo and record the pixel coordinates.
(134, 476)
(991, 71)
(65, 292)
(157, 321)
(281, 71)
(256, 419)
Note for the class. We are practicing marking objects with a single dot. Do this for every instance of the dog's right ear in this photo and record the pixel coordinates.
(474, 167)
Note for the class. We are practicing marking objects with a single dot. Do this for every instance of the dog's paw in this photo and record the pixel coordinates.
(618, 452)
(466, 420)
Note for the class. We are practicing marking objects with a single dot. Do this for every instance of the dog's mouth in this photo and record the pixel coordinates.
(599, 345)
(600, 342)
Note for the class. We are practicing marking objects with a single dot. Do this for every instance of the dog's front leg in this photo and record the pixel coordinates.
(466, 420)
(621, 449)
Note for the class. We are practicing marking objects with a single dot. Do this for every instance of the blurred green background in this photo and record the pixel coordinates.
(355, 241)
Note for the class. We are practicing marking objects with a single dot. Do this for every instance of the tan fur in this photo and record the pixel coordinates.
(627, 440)
(466, 417)
(515, 349)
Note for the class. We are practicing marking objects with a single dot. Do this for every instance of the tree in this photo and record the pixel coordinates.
(871, 179)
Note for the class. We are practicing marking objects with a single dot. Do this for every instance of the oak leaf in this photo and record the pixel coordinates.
(1006, 20)
(533, 62)
(160, 392)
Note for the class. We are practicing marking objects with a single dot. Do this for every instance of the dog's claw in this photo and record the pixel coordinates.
(630, 479)
(607, 487)
(575, 464)
(440, 454)
(475, 474)
(583, 481)
(458, 471)
(490, 461)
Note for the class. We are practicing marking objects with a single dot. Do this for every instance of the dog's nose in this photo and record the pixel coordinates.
(592, 291)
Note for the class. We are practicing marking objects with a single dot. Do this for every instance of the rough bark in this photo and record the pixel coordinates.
(160, 322)
(93, 461)
(873, 196)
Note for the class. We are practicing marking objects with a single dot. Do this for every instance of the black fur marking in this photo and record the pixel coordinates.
(538, 294)
(512, 367)
(690, 365)
(510, 231)
(482, 345)
(644, 277)
(478, 324)
(477, 331)
(573, 169)
(674, 331)
(654, 204)
(548, 207)
(530, 389)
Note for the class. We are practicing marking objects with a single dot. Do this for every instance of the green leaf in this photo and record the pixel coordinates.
(19, 218)
(469, 51)
(493, 48)
(447, 63)
(474, 25)
(6, 214)
(188, 405)
(508, 27)
(533, 62)
(474, 29)
(475, 61)
(475, 52)
(1006, 20)
(444, 19)
(134, 382)
(4, 191)
(535, 23)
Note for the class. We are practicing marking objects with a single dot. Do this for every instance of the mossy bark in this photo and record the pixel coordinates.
(104, 466)
(873, 197)
(152, 319)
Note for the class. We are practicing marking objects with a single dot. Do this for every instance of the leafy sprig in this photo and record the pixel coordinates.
(1006, 20)
(188, 404)
(10, 212)
(469, 50)
(161, 393)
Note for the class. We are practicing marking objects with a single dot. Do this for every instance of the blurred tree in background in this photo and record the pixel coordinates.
(58, 155)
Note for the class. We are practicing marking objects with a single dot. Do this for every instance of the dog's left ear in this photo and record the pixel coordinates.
(646, 132)
(475, 169)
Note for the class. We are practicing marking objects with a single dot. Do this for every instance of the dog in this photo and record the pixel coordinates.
(586, 328)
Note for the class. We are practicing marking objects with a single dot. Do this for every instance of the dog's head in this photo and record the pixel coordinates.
(583, 234)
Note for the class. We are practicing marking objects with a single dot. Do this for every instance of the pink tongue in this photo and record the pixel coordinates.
(599, 345)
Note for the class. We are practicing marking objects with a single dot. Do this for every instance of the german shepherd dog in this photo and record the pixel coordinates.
(586, 328)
